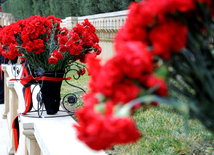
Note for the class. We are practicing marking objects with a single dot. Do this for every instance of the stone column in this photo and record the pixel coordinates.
(3, 19)
(13, 106)
(72, 22)
(6, 92)
(31, 143)
(10, 18)
(6, 18)
(63, 24)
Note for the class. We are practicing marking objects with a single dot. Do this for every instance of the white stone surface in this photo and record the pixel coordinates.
(56, 136)
(105, 15)
(4, 135)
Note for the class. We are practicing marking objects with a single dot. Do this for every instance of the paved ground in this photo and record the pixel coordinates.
(4, 135)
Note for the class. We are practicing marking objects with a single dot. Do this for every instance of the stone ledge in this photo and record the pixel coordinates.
(56, 136)
(104, 15)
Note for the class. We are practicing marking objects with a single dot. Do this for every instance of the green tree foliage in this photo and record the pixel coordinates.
(41, 7)
(26, 8)
(12, 7)
(55, 7)
(88, 7)
(66, 9)
(74, 7)
(59, 9)
(124, 4)
(108, 5)
(6, 7)
(22, 9)
(2, 1)
(113, 5)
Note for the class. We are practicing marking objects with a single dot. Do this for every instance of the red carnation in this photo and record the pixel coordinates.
(63, 48)
(93, 65)
(141, 14)
(97, 48)
(34, 35)
(74, 36)
(29, 46)
(64, 31)
(63, 40)
(181, 5)
(86, 22)
(41, 29)
(54, 19)
(131, 34)
(156, 104)
(52, 60)
(168, 36)
(124, 92)
(39, 46)
(58, 55)
(151, 81)
(137, 59)
(78, 29)
(81, 71)
(1, 48)
(24, 36)
(75, 49)
(102, 131)
(13, 50)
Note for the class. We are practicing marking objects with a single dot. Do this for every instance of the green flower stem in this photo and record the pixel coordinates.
(199, 67)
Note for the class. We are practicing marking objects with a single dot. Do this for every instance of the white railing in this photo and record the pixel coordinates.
(6, 18)
(39, 136)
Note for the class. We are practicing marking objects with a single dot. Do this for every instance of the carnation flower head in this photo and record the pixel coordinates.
(167, 37)
(101, 131)
(64, 31)
(57, 55)
(37, 37)
(81, 71)
(52, 60)
(78, 29)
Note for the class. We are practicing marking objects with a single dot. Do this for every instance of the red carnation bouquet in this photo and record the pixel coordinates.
(46, 45)
(163, 54)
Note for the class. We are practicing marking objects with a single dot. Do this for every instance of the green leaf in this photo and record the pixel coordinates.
(162, 72)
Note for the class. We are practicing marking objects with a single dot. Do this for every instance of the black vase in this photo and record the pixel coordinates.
(51, 93)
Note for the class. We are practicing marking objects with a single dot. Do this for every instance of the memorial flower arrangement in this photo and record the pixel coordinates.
(163, 54)
(46, 45)
(49, 52)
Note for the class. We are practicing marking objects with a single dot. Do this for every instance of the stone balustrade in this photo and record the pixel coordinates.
(11, 101)
(6, 19)
(38, 136)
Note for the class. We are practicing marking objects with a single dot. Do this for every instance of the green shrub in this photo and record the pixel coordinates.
(22, 9)
(89, 7)
(113, 5)
(26, 8)
(41, 7)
